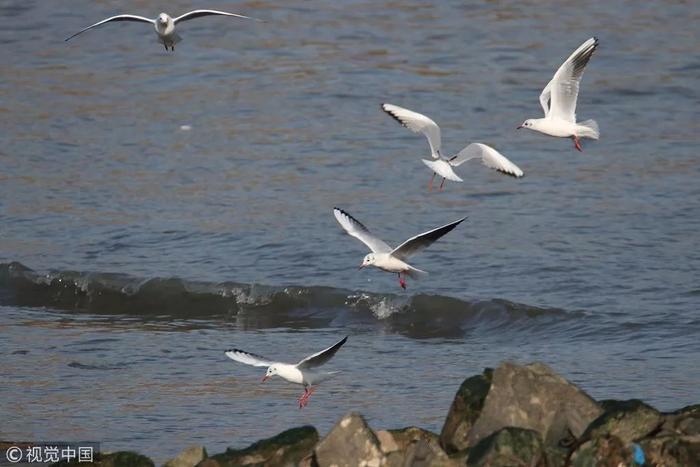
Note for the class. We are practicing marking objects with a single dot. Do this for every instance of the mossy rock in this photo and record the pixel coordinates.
(415, 447)
(604, 451)
(671, 451)
(287, 448)
(115, 459)
(405, 436)
(685, 421)
(628, 420)
(464, 411)
(188, 457)
(515, 447)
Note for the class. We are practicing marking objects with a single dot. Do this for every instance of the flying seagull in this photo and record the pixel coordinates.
(383, 256)
(441, 165)
(305, 372)
(164, 24)
(558, 100)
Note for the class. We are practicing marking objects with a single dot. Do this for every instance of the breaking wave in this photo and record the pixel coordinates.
(258, 306)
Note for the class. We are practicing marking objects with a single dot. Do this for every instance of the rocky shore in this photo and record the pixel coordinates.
(511, 416)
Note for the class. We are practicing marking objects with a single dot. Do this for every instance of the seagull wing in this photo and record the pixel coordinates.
(490, 158)
(199, 13)
(354, 228)
(417, 123)
(545, 97)
(248, 358)
(421, 241)
(319, 358)
(563, 88)
(137, 19)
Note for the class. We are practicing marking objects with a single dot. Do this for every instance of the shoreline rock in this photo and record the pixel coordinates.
(515, 415)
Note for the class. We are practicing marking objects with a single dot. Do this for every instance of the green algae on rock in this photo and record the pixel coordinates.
(464, 411)
(287, 448)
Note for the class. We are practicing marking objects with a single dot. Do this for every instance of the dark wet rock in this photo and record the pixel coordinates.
(556, 455)
(465, 409)
(671, 451)
(288, 448)
(534, 397)
(628, 420)
(350, 443)
(188, 458)
(685, 421)
(413, 447)
(509, 446)
(605, 451)
(115, 459)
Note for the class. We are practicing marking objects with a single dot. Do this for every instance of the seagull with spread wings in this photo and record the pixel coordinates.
(558, 100)
(440, 165)
(383, 256)
(164, 24)
(305, 372)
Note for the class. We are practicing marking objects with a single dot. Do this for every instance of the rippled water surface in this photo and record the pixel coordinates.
(134, 252)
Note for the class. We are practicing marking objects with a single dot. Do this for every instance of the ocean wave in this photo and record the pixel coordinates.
(255, 306)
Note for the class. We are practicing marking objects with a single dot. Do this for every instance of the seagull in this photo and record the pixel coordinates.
(442, 166)
(558, 100)
(383, 256)
(164, 24)
(303, 373)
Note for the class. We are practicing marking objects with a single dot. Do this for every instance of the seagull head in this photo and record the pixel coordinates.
(529, 123)
(368, 260)
(163, 18)
(271, 371)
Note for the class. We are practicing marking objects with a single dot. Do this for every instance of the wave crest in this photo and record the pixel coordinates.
(259, 306)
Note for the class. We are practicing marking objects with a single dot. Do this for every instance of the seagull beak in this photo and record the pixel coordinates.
(361, 266)
(265, 378)
(518, 127)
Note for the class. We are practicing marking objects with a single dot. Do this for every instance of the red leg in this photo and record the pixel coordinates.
(402, 282)
(304, 399)
(442, 183)
(577, 143)
(430, 185)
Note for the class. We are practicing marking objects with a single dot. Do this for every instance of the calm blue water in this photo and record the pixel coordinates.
(589, 263)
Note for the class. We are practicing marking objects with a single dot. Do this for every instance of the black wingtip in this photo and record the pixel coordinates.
(394, 116)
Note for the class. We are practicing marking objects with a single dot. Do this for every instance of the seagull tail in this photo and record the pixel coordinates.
(442, 169)
(588, 129)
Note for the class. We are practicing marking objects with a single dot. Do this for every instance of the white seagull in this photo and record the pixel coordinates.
(164, 24)
(558, 100)
(383, 256)
(303, 373)
(442, 166)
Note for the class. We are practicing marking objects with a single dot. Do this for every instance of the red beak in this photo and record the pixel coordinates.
(518, 127)
(265, 378)
(361, 266)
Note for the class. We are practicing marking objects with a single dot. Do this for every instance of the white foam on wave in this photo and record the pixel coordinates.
(381, 307)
